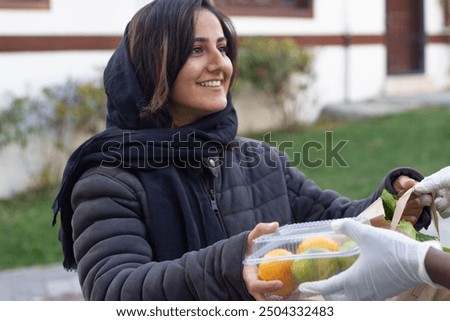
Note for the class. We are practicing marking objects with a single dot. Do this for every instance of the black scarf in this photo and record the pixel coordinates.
(157, 157)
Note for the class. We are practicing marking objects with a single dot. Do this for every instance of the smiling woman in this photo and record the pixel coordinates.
(164, 204)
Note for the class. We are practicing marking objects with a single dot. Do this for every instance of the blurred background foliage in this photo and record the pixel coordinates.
(73, 106)
(268, 63)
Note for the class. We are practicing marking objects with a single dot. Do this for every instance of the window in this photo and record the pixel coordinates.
(24, 4)
(277, 8)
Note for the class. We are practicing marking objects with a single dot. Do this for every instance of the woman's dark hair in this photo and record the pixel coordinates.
(160, 40)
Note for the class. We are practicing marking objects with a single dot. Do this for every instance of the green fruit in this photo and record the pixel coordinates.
(314, 269)
(346, 261)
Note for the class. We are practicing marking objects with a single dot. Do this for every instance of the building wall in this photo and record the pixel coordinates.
(30, 70)
(437, 54)
(341, 73)
(362, 21)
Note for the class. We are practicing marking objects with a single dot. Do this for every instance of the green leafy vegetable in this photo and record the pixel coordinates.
(389, 202)
(424, 237)
(407, 228)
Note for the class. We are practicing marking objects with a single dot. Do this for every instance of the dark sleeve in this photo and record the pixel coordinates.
(115, 258)
(311, 203)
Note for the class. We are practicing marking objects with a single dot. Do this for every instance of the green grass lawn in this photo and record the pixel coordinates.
(26, 233)
(419, 139)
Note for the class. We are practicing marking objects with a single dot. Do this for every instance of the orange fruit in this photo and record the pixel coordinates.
(278, 270)
(323, 242)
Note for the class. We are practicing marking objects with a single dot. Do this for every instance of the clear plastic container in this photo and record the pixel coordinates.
(302, 252)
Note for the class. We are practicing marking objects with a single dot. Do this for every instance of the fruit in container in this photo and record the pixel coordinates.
(278, 270)
(346, 261)
(300, 253)
(323, 242)
(314, 269)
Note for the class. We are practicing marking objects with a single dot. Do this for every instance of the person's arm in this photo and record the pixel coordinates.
(115, 258)
(437, 265)
(311, 203)
(388, 264)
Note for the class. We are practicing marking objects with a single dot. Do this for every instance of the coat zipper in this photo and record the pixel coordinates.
(214, 206)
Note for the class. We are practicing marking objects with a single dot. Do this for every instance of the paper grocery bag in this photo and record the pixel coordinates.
(424, 292)
(375, 214)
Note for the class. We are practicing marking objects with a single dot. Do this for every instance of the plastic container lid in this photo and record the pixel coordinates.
(288, 237)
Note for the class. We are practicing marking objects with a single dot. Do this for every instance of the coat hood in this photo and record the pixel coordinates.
(125, 97)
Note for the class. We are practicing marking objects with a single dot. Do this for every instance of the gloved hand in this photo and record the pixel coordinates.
(438, 183)
(389, 263)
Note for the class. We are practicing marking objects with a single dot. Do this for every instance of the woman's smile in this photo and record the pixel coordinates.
(211, 83)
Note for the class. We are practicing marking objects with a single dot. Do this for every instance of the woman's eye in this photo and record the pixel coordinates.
(223, 49)
(196, 50)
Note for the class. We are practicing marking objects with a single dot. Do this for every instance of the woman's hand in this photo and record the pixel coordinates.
(256, 287)
(414, 207)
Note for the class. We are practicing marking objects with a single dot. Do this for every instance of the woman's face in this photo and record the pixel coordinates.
(202, 84)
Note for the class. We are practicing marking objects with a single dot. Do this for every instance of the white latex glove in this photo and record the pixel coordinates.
(438, 183)
(389, 263)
